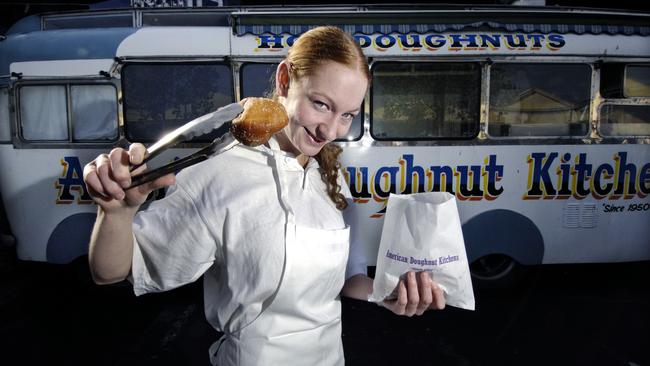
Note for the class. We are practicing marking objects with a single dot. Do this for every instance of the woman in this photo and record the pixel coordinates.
(263, 225)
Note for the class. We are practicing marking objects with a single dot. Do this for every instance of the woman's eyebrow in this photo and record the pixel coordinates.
(322, 96)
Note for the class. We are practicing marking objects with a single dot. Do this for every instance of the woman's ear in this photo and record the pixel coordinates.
(282, 79)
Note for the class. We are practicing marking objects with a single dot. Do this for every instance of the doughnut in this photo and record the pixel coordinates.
(261, 119)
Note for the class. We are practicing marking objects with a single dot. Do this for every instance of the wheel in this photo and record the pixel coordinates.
(497, 272)
(492, 267)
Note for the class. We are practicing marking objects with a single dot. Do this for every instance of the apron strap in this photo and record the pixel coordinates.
(214, 349)
(279, 172)
(273, 143)
(290, 232)
(290, 221)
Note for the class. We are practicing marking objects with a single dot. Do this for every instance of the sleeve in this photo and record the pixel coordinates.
(173, 245)
(357, 261)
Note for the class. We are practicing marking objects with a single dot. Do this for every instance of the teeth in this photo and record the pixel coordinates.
(313, 137)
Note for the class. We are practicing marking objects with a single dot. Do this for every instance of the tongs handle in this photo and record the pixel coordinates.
(176, 165)
(149, 176)
(196, 127)
(152, 154)
(217, 146)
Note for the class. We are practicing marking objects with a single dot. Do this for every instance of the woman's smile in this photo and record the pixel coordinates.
(314, 138)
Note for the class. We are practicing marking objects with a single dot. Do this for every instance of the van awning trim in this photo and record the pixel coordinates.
(367, 29)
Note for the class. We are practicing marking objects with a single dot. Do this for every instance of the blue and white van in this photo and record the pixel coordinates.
(536, 119)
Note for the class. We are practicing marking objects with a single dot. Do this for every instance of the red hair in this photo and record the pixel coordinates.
(311, 49)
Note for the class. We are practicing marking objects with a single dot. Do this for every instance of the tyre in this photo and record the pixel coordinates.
(498, 272)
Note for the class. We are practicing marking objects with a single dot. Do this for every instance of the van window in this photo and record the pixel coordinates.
(637, 81)
(257, 80)
(625, 120)
(355, 131)
(94, 112)
(425, 100)
(5, 128)
(184, 18)
(88, 21)
(539, 99)
(43, 113)
(161, 97)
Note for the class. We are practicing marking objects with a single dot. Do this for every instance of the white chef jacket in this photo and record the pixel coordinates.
(224, 218)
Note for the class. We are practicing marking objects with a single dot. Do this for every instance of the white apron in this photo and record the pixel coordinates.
(300, 323)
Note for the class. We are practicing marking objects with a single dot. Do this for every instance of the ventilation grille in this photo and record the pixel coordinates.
(580, 215)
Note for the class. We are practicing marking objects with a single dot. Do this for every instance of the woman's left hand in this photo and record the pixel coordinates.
(416, 294)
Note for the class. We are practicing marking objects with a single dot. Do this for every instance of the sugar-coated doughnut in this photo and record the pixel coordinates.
(260, 120)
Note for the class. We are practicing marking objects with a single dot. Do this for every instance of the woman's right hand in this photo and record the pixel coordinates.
(108, 175)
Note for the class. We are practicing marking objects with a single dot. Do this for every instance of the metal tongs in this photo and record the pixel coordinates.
(197, 127)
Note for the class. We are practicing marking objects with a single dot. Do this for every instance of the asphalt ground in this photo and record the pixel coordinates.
(588, 314)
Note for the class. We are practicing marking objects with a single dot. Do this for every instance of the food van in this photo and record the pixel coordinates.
(537, 119)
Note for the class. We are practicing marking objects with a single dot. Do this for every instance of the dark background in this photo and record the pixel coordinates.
(573, 315)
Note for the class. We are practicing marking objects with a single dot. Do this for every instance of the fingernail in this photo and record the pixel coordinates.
(125, 183)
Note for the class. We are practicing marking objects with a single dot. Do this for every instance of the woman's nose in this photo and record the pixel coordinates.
(328, 129)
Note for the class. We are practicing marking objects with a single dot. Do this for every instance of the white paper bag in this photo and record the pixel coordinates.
(422, 232)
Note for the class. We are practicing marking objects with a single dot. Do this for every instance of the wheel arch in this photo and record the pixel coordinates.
(505, 232)
(69, 239)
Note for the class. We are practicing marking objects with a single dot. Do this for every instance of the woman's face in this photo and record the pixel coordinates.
(321, 107)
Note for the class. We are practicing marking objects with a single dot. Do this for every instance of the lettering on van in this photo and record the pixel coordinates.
(435, 42)
(467, 182)
(550, 177)
(70, 184)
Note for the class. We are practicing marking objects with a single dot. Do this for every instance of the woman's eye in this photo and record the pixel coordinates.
(348, 117)
(320, 105)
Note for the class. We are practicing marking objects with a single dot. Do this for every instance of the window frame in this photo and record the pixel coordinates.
(70, 141)
(100, 19)
(182, 18)
(616, 102)
(617, 99)
(476, 124)
(234, 87)
(8, 128)
(625, 79)
(539, 61)
(240, 74)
